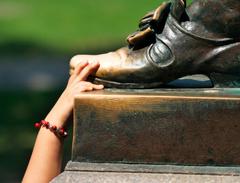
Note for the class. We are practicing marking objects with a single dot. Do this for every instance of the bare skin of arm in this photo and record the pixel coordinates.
(46, 159)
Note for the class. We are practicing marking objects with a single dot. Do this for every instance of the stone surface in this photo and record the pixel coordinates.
(151, 168)
(129, 173)
(113, 177)
(152, 136)
(164, 126)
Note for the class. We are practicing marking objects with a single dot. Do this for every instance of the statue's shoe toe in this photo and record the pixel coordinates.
(184, 47)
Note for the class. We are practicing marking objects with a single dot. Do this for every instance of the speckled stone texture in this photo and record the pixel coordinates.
(143, 173)
(111, 177)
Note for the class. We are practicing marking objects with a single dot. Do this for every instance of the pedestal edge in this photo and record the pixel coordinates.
(150, 168)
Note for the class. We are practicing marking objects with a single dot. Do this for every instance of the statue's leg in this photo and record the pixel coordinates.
(219, 17)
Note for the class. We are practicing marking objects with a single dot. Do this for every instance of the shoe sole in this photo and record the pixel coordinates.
(112, 84)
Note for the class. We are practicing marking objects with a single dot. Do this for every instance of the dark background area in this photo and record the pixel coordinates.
(37, 40)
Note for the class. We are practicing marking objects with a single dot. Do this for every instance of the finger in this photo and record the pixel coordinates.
(89, 84)
(83, 75)
(93, 87)
(97, 87)
(80, 67)
(84, 88)
(89, 88)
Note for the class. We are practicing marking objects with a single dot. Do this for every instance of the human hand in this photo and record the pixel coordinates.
(77, 83)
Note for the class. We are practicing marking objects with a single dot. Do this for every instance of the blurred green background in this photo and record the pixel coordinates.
(37, 39)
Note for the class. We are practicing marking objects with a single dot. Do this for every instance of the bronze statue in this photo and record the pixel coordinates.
(163, 135)
(174, 41)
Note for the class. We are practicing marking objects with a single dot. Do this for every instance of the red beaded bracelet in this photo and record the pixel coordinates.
(60, 132)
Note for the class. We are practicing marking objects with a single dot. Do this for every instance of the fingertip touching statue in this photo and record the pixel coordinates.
(176, 41)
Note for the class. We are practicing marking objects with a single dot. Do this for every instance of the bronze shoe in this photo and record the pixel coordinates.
(196, 40)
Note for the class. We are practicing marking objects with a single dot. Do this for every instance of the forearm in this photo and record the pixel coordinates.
(46, 159)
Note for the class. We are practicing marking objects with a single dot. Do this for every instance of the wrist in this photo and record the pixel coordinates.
(57, 117)
(61, 110)
(58, 131)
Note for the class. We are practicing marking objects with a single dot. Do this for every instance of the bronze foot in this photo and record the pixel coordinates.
(191, 41)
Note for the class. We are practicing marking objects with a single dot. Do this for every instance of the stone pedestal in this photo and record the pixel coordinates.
(187, 135)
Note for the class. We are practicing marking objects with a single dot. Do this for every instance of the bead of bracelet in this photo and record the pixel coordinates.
(60, 132)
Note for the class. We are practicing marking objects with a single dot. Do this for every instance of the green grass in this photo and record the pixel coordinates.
(71, 25)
